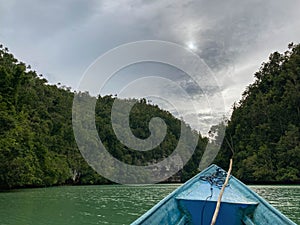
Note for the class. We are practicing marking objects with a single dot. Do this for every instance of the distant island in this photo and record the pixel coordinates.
(38, 149)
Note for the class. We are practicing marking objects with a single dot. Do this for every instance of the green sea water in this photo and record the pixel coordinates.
(110, 204)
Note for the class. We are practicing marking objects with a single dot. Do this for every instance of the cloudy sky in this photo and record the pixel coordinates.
(62, 38)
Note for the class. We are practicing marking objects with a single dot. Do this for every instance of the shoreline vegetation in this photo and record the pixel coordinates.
(38, 149)
(268, 184)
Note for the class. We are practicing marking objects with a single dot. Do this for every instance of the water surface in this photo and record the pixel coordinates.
(109, 204)
(284, 198)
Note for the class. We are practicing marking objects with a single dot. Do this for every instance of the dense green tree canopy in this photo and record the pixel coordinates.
(265, 126)
(37, 146)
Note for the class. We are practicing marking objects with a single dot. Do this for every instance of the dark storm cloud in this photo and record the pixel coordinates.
(45, 18)
(61, 38)
(223, 30)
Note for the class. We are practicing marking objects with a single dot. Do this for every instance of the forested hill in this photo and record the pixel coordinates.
(264, 128)
(37, 146)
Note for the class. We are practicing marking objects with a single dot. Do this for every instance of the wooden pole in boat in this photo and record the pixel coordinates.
(214, 219)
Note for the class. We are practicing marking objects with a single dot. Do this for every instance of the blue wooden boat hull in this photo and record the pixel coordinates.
(194, 203)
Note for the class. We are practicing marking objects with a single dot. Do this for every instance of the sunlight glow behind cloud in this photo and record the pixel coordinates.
(62, 38)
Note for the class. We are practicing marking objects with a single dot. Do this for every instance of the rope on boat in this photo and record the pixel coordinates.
(216, 179)
(213, 221)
